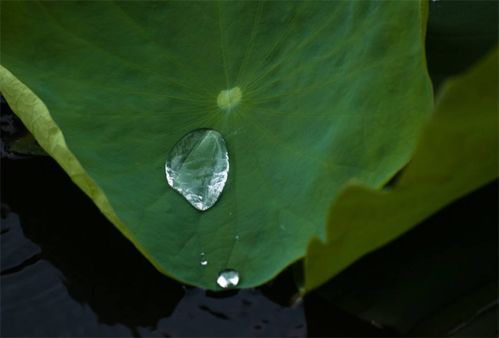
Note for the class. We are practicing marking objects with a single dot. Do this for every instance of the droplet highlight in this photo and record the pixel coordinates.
(228, 279)
(204, 262)
(198, 166)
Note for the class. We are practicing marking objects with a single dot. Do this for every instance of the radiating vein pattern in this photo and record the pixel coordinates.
(307, 95)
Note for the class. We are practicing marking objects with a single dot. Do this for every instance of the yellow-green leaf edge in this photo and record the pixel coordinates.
(454, 120)
(37, 119)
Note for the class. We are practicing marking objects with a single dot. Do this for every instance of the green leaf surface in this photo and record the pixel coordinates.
(456, 154)
(329, 91)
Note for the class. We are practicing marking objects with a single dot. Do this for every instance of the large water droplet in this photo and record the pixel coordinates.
(228, 278)
(198, 166)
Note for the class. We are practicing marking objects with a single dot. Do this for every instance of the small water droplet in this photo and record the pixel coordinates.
(228, 278)
(204, 262)
(236, 237)
(202, 254)
(198, 166)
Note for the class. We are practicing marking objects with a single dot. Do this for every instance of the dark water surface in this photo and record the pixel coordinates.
(66, 271)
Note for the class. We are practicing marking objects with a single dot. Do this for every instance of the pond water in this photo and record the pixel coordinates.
(67, 272)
